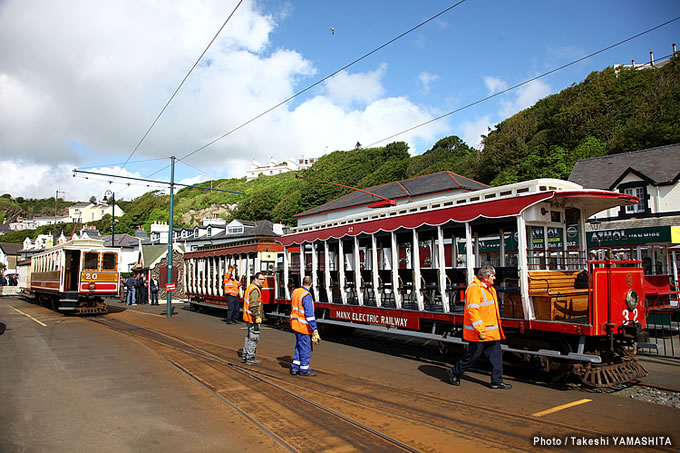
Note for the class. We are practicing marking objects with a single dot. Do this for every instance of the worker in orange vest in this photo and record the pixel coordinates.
(231, 287)
(252, 314)
(303, 323)
(482, 328)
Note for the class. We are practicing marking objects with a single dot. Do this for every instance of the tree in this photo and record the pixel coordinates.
(93, 199)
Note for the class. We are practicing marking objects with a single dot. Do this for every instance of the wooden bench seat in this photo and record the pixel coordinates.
(555, 296)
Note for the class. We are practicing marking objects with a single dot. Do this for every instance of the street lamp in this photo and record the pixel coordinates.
(108, 194)
(54, 229)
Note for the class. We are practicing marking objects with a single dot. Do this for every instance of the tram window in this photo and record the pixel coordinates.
(90, 261)
(506, 193)
(109, 262)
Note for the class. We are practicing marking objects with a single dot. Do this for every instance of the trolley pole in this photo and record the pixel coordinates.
(170, 234)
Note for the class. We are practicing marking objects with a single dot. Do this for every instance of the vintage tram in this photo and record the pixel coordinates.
(402, 267)
(205, 269)
(73, 277)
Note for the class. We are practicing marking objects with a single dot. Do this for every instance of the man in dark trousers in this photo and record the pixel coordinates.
(153, 286)
(231, 288)
(482, 329)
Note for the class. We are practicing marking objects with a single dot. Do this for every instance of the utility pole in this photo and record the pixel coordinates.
(111, 194)
(170, 234)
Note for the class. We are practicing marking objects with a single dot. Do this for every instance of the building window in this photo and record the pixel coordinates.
(236, 229)
(209, 232)
(637, 192)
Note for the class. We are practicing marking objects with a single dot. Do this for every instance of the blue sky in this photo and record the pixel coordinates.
(81, 90)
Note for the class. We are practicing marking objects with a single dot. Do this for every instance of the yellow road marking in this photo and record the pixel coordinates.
(559, 408)
(26, 314)
(148, 314)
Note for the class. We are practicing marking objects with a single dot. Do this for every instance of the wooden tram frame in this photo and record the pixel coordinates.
(66, 278)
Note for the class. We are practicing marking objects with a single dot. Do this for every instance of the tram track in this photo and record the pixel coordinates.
(337, 411)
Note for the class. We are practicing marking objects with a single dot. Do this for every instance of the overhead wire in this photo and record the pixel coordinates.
(524, 82)
(295, 95)
(180, 86)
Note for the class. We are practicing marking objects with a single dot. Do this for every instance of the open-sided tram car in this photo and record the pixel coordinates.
(404, 269)
(73, 277)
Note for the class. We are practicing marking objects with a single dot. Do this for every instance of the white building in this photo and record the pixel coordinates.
(92, 212)
(275, 167)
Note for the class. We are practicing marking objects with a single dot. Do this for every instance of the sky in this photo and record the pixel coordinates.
(81, 81)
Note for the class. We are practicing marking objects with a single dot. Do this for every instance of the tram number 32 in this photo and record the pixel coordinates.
(626, 316)
(89, 276)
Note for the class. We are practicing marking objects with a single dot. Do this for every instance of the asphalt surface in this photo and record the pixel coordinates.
(73, 385)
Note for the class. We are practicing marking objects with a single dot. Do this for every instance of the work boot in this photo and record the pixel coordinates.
(501, 386)
(453, 378)
(294, 372)
(310, 373)
(253, 362)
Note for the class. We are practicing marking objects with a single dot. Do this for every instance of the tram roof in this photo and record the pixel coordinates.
(445, 181)
(493, 203)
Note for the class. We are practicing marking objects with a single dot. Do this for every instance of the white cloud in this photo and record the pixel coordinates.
(82, 89)
(346, 89)
(426, 79)
(524, 97)
(473, 130)
(495, 84)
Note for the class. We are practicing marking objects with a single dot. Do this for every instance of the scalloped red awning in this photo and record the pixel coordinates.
(465, 213)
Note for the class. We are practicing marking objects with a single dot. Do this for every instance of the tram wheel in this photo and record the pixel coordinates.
(55, 303)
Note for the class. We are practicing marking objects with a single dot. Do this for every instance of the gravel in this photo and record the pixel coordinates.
(652, 395)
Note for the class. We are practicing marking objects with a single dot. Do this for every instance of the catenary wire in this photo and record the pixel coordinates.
(479, 101)
(366, 55)
(180, 86)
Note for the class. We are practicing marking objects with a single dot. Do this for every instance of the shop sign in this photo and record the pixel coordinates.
(629, 236)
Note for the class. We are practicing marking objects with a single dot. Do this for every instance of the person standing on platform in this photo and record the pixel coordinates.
(153, 286)
(131, 283)
(303, 323)
(231, 287)
(252, 314)
(482, 329)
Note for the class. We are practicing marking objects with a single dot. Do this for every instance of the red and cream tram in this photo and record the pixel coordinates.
(73, 277)
(205, 269)
(403, 268)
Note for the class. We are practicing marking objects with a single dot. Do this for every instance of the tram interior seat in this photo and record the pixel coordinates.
(408, 294)
(556, 297)
(659, 291)
(351, 292)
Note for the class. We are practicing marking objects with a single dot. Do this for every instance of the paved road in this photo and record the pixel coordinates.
(73, 385)
(70, 385)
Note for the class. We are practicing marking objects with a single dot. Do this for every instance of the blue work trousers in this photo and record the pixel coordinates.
(303, 353)
(491, 349)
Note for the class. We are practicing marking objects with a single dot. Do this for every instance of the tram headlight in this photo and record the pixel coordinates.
(632, 299)
(91, 286)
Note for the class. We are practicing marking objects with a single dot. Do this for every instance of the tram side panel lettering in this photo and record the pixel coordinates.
(371, 317)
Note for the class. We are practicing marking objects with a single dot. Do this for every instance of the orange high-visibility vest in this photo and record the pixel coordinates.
(247, 314)
(481, 313)
(230, 285)
(298, 320)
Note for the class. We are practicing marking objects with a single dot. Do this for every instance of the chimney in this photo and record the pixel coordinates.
(674, 50)
(651, 58)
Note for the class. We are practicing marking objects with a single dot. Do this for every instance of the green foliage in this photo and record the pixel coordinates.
(612, 111)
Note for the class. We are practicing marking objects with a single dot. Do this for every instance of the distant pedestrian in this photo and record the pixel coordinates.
(153, 286)
(138, 288)
(252, 314)
(12, 280)
(144, 285)
(131, 284)
(3, 280)
(303, 323)
(231, 287)
(482, 329)
(122, 292)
